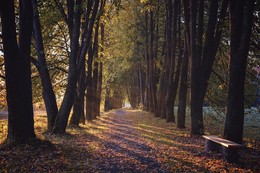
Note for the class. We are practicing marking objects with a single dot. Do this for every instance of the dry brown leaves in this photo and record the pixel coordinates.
(121, 141)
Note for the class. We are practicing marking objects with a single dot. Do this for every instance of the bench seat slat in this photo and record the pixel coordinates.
(222, 141)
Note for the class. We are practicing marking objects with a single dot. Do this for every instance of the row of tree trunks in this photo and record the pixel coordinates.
(77, 57)
(18, 70)
(169, 79)
(94, 71)
(202, 52)
(149, 98)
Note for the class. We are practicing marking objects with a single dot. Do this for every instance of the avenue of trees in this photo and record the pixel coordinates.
(158, 54)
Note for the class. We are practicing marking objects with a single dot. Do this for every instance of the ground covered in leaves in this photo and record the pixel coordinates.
(122, 140)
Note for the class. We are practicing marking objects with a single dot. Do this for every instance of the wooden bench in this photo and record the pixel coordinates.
(228, 148)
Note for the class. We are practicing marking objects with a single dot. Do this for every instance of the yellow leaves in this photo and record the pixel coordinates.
(3, 130)
(222, 86)
(144, 1)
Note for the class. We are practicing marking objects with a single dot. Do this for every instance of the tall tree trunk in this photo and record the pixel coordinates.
(141, 84)
(152, 69)
(100, 74)
(147, 61)
(168, 58)
(181, 113)
(47, 89)
(89, 89)
(78, 106)
(95, 89)
(171, 89)
(161, 93)
(241, 19)
(90, 98)
(18, 70)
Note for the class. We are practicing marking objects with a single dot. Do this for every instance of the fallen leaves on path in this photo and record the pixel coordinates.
(121, 141)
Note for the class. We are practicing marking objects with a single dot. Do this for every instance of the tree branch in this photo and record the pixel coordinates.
(219, 77)
(35, 62)
(62, 11)
(2, 76)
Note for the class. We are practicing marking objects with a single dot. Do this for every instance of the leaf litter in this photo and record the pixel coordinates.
(122, 140)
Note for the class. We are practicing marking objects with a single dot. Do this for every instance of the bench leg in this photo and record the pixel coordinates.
(211, 146)
(230, 155)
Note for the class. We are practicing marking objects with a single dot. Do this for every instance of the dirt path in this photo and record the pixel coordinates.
(124, 149)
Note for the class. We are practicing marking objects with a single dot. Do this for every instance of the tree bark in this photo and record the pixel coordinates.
(18, 70)
(241, 19)
(100, 74)
(147, 61)
(95, 88)
(78, 106)
(171, 86)
(47, 89)
(90, 97)
(181, 113)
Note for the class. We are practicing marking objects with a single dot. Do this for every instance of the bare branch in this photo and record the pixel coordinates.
(35, 62)
(62, 11)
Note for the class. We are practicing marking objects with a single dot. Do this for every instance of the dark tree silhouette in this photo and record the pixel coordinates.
(41, 65)
(203, 46)
(241, 19)
(18, 69)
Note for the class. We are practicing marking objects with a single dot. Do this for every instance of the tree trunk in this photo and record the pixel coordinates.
(241, 15)
(18, 70)
(89, 90)
(47, 89)
(90, 99)
(147, 61)
(100, 74)
(152, 69)
(181, 114)
(78, 107)
(171, 88)
(95, 89)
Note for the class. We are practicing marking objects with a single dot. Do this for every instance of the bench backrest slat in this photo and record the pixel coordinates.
(222, 141)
